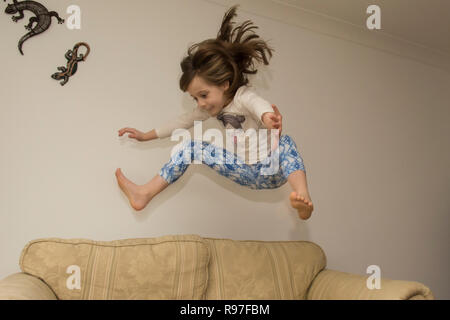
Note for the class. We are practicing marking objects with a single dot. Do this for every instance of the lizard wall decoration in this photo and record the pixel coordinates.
(72, 63)
(42, 18)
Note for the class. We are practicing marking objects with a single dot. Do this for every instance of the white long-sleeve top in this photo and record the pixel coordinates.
(244, 112)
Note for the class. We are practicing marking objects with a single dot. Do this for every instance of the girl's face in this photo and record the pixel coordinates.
(210, 98)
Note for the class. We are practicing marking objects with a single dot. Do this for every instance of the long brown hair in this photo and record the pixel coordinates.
(224, 58)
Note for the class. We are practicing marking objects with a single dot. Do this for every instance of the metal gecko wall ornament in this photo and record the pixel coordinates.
(72, 63)
(42, 18)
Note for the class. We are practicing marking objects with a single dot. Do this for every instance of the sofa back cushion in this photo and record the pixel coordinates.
(261, 270)
(168, 267)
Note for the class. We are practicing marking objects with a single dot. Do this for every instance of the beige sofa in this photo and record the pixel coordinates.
(189, 267)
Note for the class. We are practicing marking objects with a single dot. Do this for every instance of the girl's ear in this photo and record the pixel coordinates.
(226, 85)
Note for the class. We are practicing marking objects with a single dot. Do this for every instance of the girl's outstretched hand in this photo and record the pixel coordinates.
(273, 120)
(279, 117)
(133, 134)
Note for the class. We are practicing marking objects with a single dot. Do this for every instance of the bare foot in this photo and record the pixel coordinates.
(135, 194)
(302, 203)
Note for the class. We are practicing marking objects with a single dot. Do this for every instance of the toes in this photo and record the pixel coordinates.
(120, 175)
(293, 196)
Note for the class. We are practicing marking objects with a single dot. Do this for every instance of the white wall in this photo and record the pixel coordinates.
(372, 128)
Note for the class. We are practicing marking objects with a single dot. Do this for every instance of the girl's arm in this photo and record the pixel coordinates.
(184, 121)
(150, 135)
(138, 135)
(261, 110)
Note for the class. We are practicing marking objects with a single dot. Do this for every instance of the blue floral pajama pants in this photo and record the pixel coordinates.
(270, 173)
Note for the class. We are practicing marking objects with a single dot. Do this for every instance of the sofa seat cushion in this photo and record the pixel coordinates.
(168, 267)
(262, 270)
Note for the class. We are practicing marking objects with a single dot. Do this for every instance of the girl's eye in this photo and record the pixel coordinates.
(203, 96)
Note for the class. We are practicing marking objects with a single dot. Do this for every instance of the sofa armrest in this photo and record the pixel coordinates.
(22, 286)
(335, 285)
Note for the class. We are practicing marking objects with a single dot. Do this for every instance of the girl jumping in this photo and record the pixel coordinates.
(214, 74)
